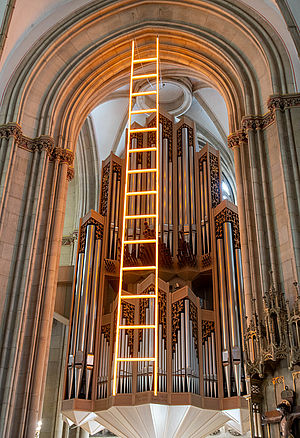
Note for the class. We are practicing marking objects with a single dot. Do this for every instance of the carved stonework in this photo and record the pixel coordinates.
(42, 143)
(98, 232)
(282, 102)
(70, 173)
(69, 240)
(258, 122)
(179, 138)
(214, 180)
(104, 189)
(272, 339)
(237, 138)
(228, 215)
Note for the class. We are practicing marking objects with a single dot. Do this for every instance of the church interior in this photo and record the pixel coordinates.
(149, 219)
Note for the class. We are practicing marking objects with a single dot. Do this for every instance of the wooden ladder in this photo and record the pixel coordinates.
(126, 218)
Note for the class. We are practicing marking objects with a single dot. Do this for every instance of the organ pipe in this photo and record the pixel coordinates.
(188, 209)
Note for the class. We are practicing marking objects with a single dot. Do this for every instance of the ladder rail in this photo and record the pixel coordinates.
(127, 216)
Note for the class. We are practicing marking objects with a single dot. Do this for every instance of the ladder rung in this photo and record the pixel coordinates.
(141, 216)
(143, 93)
(148, 326)
(136, 61)
(144, 111)
(137, 241)
(143, 149)
(153, 128)
(136, 359)
(133, 297)
(146, 192)
(130, 172)
(138, 268)
(149, 75)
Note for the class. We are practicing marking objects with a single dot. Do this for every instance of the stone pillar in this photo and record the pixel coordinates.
(267, 175)
(33, 191)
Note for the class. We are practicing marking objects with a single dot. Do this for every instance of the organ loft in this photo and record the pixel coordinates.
(156, 328)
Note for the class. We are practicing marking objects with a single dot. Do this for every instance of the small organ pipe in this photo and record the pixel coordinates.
(213, 346)
(187, 342)
(183, 349)
(204, 369)
(84, 306)
(233, 305)
(210, 367)
(224, 317)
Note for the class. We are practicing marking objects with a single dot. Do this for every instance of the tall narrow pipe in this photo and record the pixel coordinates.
(232, 305)
(170, 204)
(213, 346)
(224, 314)
(204, 247)
(164, 198)
(84, 306)
(192, 195)
(187, 343)
(75, 318)
(92, 316)
(186, 184)
(116, 231)
(112, 216)
(180, 194)
(206, 210)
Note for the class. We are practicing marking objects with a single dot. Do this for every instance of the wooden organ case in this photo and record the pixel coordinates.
(200, 335)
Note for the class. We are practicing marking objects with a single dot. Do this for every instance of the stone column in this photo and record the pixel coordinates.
(33, 191)
(267, 175)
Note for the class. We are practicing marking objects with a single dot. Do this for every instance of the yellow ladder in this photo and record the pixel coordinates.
(126, 218)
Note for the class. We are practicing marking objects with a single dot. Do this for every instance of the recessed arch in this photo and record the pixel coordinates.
(80, 61)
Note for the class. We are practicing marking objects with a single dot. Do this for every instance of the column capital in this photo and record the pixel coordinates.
(41, 143)
(282, 102)
(236, 138)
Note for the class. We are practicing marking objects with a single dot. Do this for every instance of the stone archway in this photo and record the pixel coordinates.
(69, 71)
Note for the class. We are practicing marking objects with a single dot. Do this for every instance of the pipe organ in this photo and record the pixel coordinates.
(200, 315)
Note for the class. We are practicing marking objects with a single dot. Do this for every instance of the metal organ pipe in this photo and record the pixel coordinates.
(192, 192)
(75, 323)
(186, 183)
(224, 317)
(112, 216)
(206, 214)
(84, 307)
(92, 317)
(233, 304)
(164, 198)
(204, 249)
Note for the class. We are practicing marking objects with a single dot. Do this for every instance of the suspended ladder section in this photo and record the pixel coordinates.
(118, 359)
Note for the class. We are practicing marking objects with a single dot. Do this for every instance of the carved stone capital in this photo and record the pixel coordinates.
(282, 102)
(258, 122)
(237, 138)
(10, 130)
(42, 143)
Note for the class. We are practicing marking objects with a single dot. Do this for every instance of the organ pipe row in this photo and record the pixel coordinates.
(200, 349)
(81, 359)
